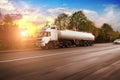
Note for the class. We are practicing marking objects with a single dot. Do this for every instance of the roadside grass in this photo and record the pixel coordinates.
(18, 46)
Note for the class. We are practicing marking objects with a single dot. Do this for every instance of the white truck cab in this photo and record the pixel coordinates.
(46, 35)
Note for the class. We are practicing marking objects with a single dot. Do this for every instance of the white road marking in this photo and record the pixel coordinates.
(19, 59)
(33, 57)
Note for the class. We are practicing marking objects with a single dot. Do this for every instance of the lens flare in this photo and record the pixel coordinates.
(23, 33)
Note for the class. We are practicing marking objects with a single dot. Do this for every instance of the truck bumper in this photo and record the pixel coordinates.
(40, 44)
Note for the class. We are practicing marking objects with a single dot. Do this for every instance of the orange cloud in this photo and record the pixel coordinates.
(33, 18)
(26, 16)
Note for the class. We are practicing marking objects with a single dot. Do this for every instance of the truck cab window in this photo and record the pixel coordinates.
(47, 34)
(40, 34)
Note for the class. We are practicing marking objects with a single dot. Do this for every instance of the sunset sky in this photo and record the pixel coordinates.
(33, 14)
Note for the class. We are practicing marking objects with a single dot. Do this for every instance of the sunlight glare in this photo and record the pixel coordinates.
(23, 33)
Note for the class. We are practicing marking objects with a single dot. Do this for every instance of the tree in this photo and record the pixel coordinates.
(101, 36)
(8, 20)
(0, 20)
(0, 16)
(96, 31)
(106, 33)
(9, 32)
(79, 22)
(115, 35)
(62, 21)
(107, 30)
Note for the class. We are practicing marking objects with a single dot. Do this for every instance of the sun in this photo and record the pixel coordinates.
(28, 29)
(31, 29)
(23, 33)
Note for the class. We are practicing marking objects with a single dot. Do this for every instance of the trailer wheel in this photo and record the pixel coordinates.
(91, 43)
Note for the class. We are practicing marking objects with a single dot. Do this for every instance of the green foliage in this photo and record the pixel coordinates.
(8, 19)
(107, 34)
(107, 31)
(0, 15)
(9, 32)
(62, 21)
(79, 22)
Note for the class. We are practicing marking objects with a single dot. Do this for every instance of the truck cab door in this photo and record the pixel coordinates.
(54, 35)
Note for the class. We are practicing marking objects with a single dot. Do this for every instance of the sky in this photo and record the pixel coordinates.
(33, 14)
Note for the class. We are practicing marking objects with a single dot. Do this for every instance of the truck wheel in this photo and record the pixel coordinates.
(45, 47)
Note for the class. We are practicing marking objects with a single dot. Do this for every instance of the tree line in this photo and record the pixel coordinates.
(9, 32)
(79, 22)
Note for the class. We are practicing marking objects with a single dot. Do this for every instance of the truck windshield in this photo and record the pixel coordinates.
(44, 34)
(47, 34)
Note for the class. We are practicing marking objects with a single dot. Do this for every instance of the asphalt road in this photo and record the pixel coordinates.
(98, 62)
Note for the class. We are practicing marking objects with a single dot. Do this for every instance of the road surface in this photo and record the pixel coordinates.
(98, 62)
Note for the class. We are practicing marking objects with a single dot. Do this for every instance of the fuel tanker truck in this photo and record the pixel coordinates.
(50, 37)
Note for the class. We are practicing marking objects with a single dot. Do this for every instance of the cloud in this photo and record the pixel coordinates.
(34, 15)
(3, 1)
(6, 5)
(16, 16)
(110, 15)
(22, 11)
(38, 16)
(57, 11)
